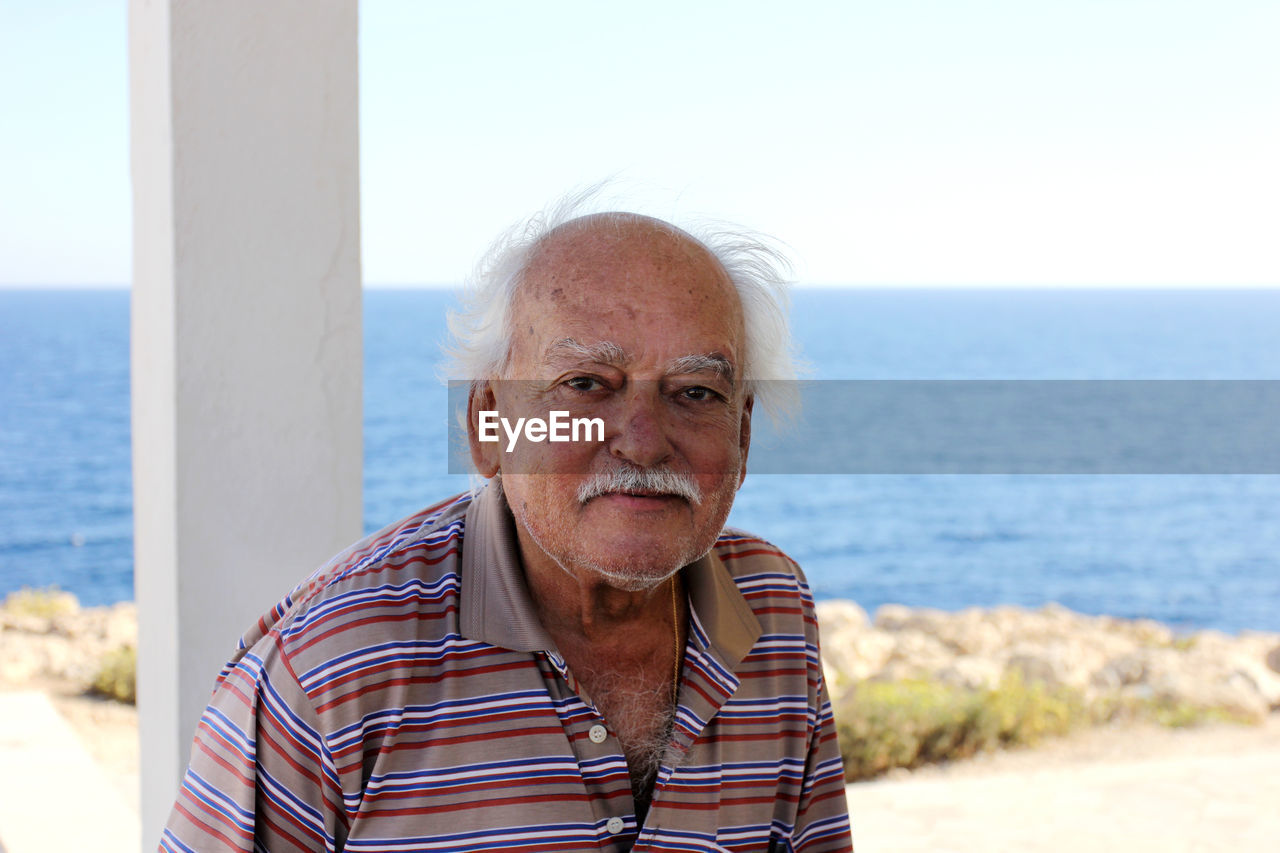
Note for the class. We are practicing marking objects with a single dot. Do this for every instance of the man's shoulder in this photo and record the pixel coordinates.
(745, 553)
(430, 537)
(411, 563)
(774, 588)
(760, 569)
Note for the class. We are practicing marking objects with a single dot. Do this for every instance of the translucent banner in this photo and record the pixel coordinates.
(905, 426)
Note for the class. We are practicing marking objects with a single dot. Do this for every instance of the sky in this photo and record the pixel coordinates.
(900, 142)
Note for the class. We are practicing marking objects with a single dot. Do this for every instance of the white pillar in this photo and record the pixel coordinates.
(246, 334)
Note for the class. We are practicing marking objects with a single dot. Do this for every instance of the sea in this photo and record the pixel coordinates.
(1192, 550)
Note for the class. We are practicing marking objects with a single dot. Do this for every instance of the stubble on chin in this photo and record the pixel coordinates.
(575, 558)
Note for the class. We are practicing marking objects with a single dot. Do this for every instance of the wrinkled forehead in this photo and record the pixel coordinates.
(631, 272)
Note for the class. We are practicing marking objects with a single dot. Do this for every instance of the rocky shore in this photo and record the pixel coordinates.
(49, 641)
(1103, 658)
(1133, 786)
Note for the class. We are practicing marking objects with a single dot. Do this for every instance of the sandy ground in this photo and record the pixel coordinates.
(54, 794)
(1131, 788)
(109, 731)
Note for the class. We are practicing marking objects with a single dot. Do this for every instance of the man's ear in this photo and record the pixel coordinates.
(744, 436)
(485, 455)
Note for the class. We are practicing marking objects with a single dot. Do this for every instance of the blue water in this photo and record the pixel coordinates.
(1194, 551)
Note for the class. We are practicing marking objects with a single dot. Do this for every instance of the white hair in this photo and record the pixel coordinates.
(481, 333)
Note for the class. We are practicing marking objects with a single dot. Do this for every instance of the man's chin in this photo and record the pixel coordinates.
(636, 563)
(628, 582)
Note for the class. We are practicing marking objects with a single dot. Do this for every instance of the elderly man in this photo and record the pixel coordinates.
(577, 656)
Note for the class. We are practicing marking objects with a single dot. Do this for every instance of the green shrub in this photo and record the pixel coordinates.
(117, 676)
(1165, 712)
(884, 725)
(45, 603)
(889, 724)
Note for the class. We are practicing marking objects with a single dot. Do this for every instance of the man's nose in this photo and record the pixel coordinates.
(642, 436)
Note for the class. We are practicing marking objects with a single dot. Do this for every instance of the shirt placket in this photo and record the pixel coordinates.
(601, 762)
(705, 685)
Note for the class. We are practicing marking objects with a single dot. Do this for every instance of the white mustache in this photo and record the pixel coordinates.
(630, 479)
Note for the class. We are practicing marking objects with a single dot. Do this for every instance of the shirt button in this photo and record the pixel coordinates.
(598, 734)
(614, 825)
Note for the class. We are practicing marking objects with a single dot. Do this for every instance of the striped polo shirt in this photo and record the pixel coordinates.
(405, 697)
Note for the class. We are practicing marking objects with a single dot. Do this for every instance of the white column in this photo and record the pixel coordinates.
(246, 334)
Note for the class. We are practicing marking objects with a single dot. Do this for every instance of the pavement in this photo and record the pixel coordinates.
(53, 795)
(1229, 801)
(1201, 793)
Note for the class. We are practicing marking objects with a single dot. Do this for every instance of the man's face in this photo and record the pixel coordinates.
(622, 320)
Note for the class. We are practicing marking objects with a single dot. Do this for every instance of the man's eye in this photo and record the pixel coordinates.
(583, 383)
(699, 394)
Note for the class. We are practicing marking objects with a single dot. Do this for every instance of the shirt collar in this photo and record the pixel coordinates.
(495, 605)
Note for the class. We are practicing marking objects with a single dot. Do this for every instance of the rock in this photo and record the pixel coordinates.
(851, 649)
(1122, 671)
(46, 637)
(841, 615)
(1207, 689)
(854, 657)
(1199, 681)
(892, 617)
(1100, 656)
(1141, 632)
(918, 653)
(1150, 632)
(972, 672)
(121, 625)
(971, 634)
(1264, 680)
(1058, 663)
